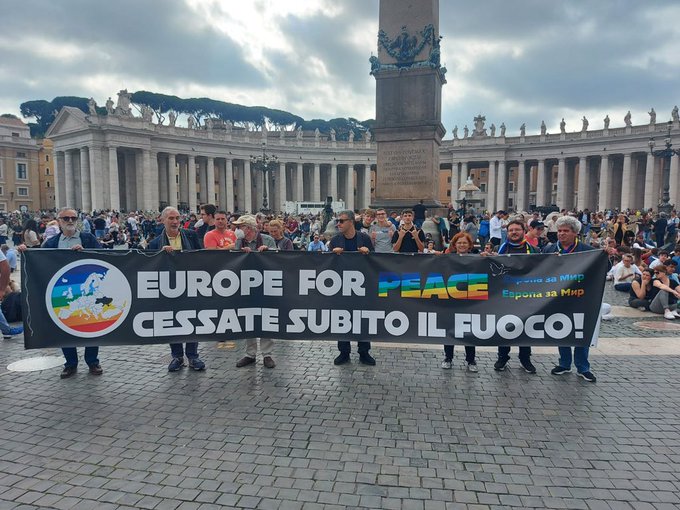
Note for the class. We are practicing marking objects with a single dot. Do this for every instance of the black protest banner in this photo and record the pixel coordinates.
(117, 298)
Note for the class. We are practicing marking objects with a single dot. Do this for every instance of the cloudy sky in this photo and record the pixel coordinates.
(513, 61)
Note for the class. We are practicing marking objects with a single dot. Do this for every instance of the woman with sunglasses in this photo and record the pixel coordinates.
(461, 244)
(665, 301)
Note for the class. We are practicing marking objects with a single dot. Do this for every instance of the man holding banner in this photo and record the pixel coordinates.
(349, 239)
(70, 239)
(516, 244)
(568, 229)
(173, 238)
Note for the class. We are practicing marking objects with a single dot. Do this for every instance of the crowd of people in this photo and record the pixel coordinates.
(641, 247)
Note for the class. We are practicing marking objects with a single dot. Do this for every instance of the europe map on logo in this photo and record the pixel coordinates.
(88, 298)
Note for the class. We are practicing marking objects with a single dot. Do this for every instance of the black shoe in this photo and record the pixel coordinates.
(500, 365)
(588, 376)
(245, 361)
(68, 372)
(528, 367)
(366, 359)
(558, 370)
(96, 369)
(341, 359)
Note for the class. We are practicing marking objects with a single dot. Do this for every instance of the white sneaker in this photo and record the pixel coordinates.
(446, 364)
(472, 367)
(676, 313)
(669, 315)
(607, 317)
(642, 308)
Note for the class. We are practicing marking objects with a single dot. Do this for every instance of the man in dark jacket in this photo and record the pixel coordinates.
(568, 229)
(173, 238)
(70, 239)
(349, 239)
(515, 244)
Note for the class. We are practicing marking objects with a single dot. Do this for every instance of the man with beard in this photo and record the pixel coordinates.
(70, 239)
(221, 238)
(515, 244)
(172, 239)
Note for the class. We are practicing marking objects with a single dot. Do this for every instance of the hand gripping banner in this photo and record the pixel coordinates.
(116, 297)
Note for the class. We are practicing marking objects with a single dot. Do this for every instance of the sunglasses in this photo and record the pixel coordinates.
(68, 218)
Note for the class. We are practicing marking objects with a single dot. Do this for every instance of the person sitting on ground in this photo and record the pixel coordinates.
(661, 259)
(642, 291)
(624, 273)
(665, 301)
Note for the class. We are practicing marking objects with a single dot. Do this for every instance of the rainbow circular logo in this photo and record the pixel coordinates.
(88, 298)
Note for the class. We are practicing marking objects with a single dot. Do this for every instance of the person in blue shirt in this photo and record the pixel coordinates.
(568, 229)
(317, 244)
(11, 257)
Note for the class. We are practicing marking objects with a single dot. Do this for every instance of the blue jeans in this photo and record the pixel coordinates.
(580, 358)
(418, 223)
(4, 325)
(71, 355)
(191, 350)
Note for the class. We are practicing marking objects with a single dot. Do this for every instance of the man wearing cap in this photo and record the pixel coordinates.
(349, 239)
(254, 241)
(534, 235)
(172, 239)
(496, 228)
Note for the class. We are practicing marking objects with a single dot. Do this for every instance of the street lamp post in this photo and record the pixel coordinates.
(666, 153)
(265, 163)
(468, 189)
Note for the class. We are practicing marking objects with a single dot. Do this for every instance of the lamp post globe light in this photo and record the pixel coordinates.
(666, 153)
(265, 163)
(467, 189)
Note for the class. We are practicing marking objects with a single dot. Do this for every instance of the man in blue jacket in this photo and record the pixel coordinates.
(173, 238)
(568, 229)
(70, 239)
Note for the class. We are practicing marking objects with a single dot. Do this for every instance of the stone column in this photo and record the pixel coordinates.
(130, 181)
(541, 184)
(333, 186)
(650, 192)
(85, 190)
(163, 172)
(229, 184)
(98, 191)
(299, 184)
(463, 172)
(248, 187)
(349, 188)
(583, 181)
(150, 178)
(627, 183)
(455, 183)
(367, 185)
(673, 181)
(603, 199)
(561, 183)
(202, 181)
(59, 179)
(281, 185)
(114, 183)
(172, 181)
(191, 182)
(221, 186)
(316, 183)
(502, 188)
(211, 180)
(490, 188)
(522, 195)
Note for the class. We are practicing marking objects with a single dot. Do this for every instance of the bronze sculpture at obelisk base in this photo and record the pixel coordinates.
(409, 79)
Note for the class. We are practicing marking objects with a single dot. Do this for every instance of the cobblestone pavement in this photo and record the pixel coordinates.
(404, 434)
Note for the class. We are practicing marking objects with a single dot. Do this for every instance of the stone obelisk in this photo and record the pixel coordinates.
(409, 79)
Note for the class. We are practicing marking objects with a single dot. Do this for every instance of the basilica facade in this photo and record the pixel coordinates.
(126, 162)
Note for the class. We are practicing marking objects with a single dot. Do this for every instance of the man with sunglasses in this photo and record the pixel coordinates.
(70, 239)
(350, 239)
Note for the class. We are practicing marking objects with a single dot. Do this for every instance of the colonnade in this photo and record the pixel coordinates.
(129, 178)
(629, 180)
